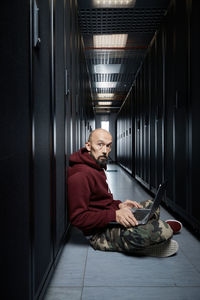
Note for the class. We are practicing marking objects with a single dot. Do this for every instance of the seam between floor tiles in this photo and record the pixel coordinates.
(144, 286)
(122, 286)
(84, 272)
(198, 271)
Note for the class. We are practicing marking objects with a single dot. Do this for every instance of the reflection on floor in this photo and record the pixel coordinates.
(83, 273)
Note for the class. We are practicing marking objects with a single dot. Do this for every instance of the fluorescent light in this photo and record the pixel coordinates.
(105, 95)
(114, 3)
(105, 103)
(107, 68)
(110, 40)
(107, 84)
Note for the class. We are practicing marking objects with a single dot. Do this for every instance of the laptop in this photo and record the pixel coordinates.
(143, 215)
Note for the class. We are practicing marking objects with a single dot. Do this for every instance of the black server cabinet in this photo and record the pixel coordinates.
(180, 108)
(159, 124)
(142, 100)
(166, 111)
(132, 132)
(194, 109)
(126, 121)
(123, 138)
(129, 133)
(15, 148)
(153, 92)
(60, 209)
(124, 134)
(146, 139)
(118, 138)
(176, 95)
(139, 120)
(137, 130)
(169, 102)
(35, 127)
(43, 150)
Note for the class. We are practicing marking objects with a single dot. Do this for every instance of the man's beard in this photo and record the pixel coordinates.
(101, 163)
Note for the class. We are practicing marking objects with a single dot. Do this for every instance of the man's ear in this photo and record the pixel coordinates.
(88, 146)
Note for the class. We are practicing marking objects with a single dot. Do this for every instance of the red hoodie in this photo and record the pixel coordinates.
(91, 205)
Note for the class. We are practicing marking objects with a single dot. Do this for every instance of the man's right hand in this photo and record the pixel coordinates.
(125, 217)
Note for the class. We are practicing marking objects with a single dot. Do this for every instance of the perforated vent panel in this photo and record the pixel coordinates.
(104, 21)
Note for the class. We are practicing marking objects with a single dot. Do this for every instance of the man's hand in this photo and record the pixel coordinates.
(125, 217)
(129, 204)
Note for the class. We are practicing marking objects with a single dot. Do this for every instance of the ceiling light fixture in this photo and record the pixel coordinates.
(106, 84)
(104, 103)
(114, 3)
(110, 40)
(107, 68)
(105, 95)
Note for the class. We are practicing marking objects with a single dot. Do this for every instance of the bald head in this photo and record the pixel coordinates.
(99, 145)
(97, 133)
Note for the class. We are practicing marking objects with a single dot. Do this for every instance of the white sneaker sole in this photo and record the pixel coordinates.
(164, 249)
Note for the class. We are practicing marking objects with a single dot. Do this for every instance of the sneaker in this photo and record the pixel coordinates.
(175, 225)
(165, 249)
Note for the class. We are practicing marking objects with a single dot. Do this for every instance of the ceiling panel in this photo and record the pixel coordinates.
(140, 22)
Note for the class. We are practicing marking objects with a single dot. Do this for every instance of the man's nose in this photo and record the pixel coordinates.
(104, 149)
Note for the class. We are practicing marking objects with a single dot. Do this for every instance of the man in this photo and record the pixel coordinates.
(92, 207)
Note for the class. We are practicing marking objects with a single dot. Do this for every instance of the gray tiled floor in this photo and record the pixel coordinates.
(83, 273)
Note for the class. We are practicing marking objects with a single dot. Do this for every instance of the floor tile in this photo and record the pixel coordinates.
(71, 266)
(190, 247)
(123, 186)
(138, 293)
(63, 293)
(107, 268)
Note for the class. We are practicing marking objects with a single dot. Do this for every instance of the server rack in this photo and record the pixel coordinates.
(40, 110)
(165, 111)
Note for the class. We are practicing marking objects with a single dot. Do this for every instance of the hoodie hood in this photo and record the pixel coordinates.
(83, 157)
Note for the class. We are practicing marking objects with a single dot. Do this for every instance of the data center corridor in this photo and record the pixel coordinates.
(67, 68)
(85, 274)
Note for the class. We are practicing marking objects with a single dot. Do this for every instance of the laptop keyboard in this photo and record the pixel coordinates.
(140, 214)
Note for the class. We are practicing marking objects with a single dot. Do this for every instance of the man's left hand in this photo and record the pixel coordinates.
(129, 204)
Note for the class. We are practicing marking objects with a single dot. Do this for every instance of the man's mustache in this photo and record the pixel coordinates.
(104, 156)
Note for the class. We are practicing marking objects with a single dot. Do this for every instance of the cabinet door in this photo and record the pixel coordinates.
(137, 129)
(194, 109)
(42, 105)
(130, 132)
(180, 107)
(159, 126)
(59, 127)
(169, 102)
(152, 116)
(146, 120)
(142, 131)
(140, 105)
(15, 195)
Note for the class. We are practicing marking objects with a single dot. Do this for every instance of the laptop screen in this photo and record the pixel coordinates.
(158, 198)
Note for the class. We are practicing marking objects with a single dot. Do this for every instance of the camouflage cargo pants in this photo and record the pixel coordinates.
(118, 238)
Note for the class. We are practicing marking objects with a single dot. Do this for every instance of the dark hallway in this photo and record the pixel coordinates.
(69, 67)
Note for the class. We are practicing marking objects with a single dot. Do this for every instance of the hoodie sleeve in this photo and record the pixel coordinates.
(115, 204)
(81, 215)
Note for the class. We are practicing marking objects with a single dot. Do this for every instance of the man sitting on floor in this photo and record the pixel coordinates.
(92, 207)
